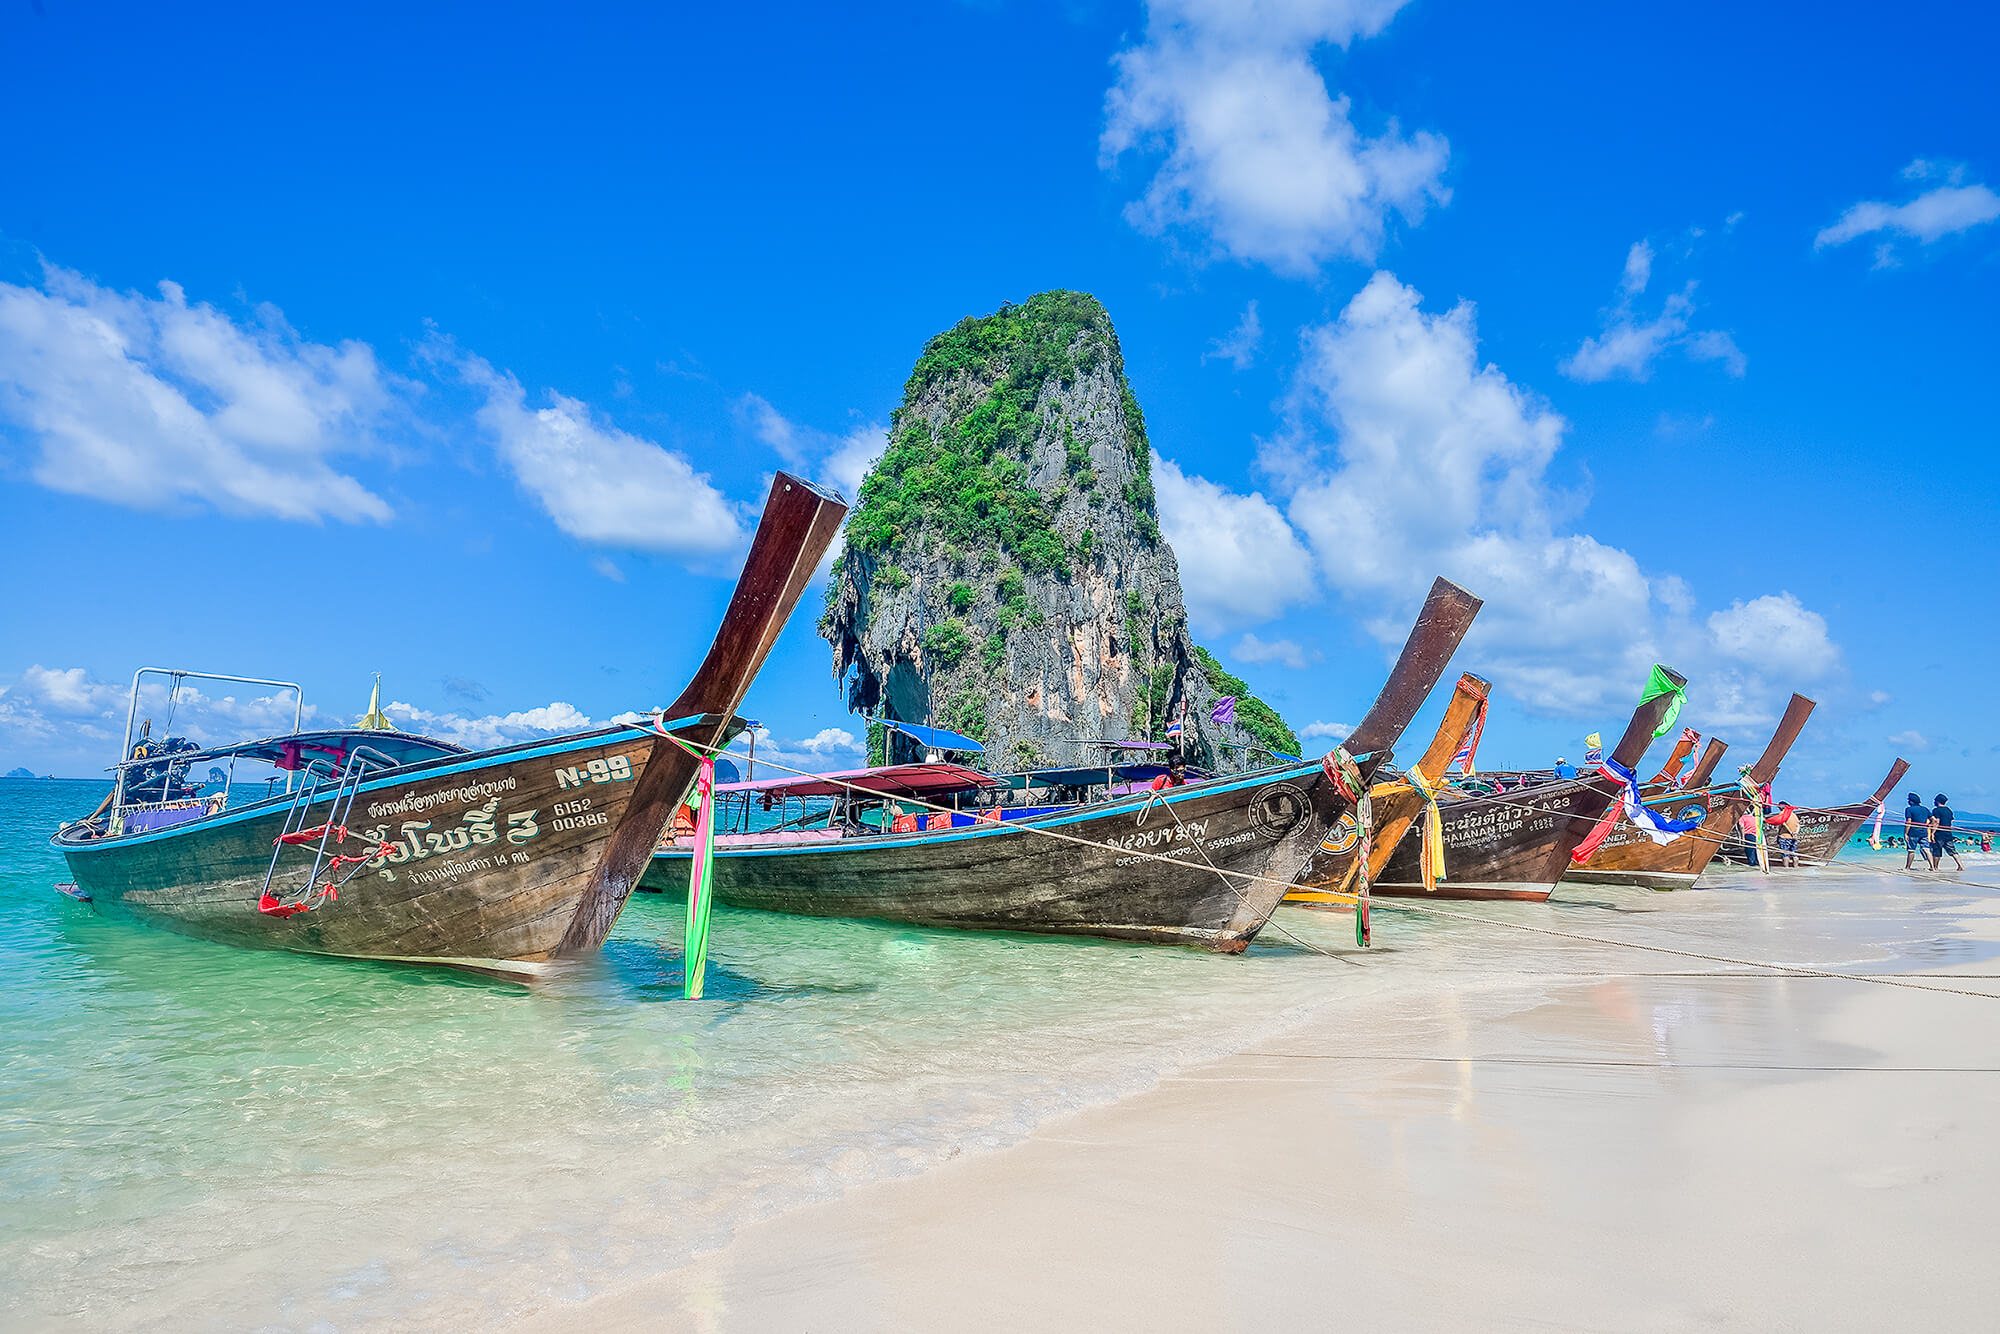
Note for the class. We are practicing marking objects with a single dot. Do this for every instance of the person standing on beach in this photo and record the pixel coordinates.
(1916, 832)
(1788, 838)
(1942, 845)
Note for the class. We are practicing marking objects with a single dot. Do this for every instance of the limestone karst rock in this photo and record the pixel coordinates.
(1004, 572)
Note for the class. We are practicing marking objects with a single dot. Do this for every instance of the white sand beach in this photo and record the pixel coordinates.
(1567, 1137)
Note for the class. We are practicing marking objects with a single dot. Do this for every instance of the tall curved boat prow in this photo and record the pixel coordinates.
(1515, 844)
(1630, 858)
(1825, 831)
(498, 861)
(1202, 865)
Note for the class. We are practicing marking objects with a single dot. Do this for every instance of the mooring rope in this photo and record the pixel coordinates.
(1405, 905)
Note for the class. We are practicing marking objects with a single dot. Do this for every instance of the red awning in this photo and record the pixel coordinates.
(894, 780)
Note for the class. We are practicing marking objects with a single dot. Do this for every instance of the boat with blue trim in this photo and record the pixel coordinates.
(1203, 864)
(391, 846)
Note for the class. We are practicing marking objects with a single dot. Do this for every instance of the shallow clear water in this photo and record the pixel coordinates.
(196, 1135)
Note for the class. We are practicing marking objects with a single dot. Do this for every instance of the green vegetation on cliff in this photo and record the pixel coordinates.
(1253, 715)
(968, 481)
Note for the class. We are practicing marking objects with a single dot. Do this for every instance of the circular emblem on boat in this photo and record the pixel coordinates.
(1343, 836)
(1276, 809)
(1693, 811)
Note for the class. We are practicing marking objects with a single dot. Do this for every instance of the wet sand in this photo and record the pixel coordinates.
(1565, 1136)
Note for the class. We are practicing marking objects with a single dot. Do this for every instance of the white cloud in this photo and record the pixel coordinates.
(1240, 561)
(1441, 467)
(1629, 344)
(850, 458)
(1253, 148)
(830, 740)
(69, 707)
(839, 461)
(1913, 741)
(600, 484)
(768, 425)
(1638, 268)
(1316, 731)
(1944, 210)
(1716, 345)
(1281, 651)
(1239, 348)
(607, 567)
(494, 729)
(827, 749)
(161, 404)
(1775, 632)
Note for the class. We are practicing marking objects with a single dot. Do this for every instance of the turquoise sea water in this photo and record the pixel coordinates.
(197, 1136)
(295, 1143)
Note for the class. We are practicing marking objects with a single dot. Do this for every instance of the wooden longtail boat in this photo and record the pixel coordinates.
(497, 861)
(1092, 879)
(1397, 808)
(1515, 844)
(1628, 857)
(1824, 832)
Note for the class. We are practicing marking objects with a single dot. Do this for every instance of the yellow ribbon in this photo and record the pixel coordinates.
(1432, 855)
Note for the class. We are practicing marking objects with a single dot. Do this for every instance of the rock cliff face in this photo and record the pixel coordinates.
(1004, 573)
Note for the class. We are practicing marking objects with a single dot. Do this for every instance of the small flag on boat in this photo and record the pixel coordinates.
(1686, 775)
(1224, 712)
(1593, 752)
(1173, 729)
(1662, 684)
(375, 720)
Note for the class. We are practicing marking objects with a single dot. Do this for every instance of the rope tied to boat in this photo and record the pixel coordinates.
(1753, 792)
(1345, 775)
(701, 870)
(313, 895)
(1430, 858)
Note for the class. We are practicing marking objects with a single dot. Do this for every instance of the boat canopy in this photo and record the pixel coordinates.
(934, 738)
(890, 780)
(1090, 775)
(295, 750)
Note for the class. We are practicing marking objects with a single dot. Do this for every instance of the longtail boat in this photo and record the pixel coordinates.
(1628, 857)
(1824, 832)
(1398, 804)
(498, 861)
(1204, 864)
(1515, 843)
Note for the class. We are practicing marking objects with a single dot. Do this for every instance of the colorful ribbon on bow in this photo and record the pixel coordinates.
(701, 869)
(1345, 775)
(1630, 804)
(1430, 856)
(1753, 792)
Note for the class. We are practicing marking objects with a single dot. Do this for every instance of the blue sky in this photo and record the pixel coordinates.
(481, 331)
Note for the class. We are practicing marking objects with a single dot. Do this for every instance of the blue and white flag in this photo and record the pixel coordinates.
(1174, 730)
(1644, 819)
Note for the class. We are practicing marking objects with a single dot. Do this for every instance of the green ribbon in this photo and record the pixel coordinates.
(1662, 684)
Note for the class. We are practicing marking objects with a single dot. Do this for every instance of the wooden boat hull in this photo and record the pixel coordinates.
(1090, 882)
(1628, 857)
(1516, 844)
(501, 860)
(492, 860)
(1823, 833)
(1148, 867)
(1512, 846)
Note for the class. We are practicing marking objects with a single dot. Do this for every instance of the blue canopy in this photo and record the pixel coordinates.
(936, 738)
